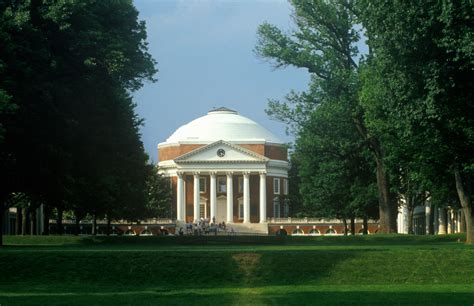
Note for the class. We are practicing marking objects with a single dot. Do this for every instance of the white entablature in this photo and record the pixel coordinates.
(222, 156)
(221, 152)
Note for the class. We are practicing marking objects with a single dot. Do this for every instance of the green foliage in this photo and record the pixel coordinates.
(333, 164)
(69, 134)
(418, 82)
(159, 194)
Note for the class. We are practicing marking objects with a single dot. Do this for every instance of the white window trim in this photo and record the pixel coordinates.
(276, 212)
(203, 204)
(241, 209)
(276, 190)
(285, 186)
(201, 180)
(224, 178)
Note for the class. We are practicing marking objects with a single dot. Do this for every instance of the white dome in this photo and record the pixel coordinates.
(222, 124)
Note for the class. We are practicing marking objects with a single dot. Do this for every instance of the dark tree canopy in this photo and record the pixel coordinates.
(69, 134)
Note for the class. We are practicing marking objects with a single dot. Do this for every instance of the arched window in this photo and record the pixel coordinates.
(331, 231)
(146, 233)
(276, 207)
(314, 232)
(116, 232)
(130, 233)
(297, 231)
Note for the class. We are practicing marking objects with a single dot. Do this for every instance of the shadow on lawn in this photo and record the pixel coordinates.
(200, 269)
(159, 241)
(246, 297)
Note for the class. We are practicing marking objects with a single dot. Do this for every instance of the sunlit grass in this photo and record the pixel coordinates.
(373, 270)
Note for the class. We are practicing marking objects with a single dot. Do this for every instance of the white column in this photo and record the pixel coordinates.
(196, 196)
(263, 197)
(213, 196)
(449, 220)
(427, 219)
(435, 221)
(180, 213)
(441, 221)
(246, 198)
(230, 199)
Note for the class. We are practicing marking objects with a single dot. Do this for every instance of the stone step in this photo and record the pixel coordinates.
(248, 228)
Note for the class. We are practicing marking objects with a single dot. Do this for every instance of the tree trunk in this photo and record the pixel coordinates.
(462, 187)
(2, 215)
(19, 219)
(353, 227)
(94, 225)
(47, 215)
(463, 222)
(77, 229)
(388, 220)
(410, 220)
(108, 226)
(33, 221)
(24, 221)
(59, 222)
(345, 226)
(366, 225)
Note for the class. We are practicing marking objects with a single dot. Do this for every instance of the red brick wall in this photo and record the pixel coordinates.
(171, 152)
(270, 151)
(276, 152)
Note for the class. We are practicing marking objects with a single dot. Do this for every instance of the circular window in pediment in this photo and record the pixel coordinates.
(221, 152)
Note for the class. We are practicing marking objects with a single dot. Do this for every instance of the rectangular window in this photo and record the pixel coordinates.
(221, 184)
(276, 186)
(202, 184)
(241, 209)
(286, 208)
(276, 208)
(285, 186)
(241, 184)
(202, 210)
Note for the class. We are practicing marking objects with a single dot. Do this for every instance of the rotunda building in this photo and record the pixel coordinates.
(226, 168)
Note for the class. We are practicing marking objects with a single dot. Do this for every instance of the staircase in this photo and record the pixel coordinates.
(248, 228)
(180, 224)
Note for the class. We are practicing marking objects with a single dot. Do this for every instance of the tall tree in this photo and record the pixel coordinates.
(420, 78)
(325, 43)
(68, 68)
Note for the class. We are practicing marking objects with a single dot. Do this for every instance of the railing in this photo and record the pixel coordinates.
(103, 221)
(310, 220)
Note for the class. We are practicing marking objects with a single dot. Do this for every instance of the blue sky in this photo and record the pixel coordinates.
(205, 59)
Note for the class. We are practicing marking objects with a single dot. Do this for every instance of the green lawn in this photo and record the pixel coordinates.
(370, 270)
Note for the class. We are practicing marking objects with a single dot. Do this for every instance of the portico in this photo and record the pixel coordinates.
(225, 168)
(225, 212)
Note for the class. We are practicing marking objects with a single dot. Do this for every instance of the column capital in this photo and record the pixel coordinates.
(246, 173)
(179, 173)
(212, 173)
(229, 173)
(263, 173)
(196, 173)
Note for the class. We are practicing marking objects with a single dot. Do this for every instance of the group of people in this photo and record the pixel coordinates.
(204, 226)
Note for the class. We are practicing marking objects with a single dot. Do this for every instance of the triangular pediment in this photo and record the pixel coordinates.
(221, 152)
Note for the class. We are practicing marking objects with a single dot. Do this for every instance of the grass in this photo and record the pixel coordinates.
(361, 270)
